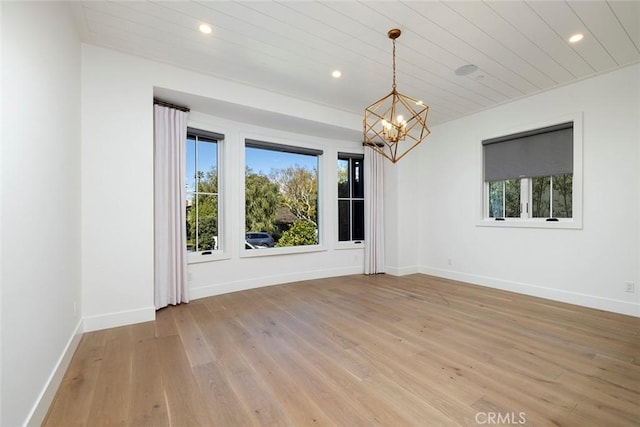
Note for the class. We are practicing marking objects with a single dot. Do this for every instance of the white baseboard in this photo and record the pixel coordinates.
(585, 300)
(121, 318)
(402, 271)
(40, 408)
(241, 285)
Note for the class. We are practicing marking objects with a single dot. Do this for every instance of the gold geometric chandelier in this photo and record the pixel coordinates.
(396, 123)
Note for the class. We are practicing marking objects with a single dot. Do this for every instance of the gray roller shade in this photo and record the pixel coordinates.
(541, 152)
(252, 143)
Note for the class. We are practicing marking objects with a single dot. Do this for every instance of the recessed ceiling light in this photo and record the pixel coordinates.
(465, 70)
(576, 38)
(336, 74)
(205, 28)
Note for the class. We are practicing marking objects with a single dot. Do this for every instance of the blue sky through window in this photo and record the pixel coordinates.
(207, 159)
(263, 161)
(260, 160)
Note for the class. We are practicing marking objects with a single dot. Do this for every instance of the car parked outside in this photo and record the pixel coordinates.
(260, 239)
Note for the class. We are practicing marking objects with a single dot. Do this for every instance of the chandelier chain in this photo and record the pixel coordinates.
(394, 64)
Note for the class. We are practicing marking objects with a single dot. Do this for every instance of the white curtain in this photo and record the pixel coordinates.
(373, 211)
(170, 257)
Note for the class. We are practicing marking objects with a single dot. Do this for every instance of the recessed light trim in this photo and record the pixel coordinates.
(336, 74)
(205, 28)
(576, 38)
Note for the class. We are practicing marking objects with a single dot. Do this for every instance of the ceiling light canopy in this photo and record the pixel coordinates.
(396, 123)
(336, 74)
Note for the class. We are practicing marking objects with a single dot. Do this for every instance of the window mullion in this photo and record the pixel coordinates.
(197, 216)
(525, 197)
(550, 197)
(504, 198)
(196, 194)
(351, 185)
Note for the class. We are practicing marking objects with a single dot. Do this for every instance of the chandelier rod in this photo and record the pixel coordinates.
(393, 34)
(394, 65)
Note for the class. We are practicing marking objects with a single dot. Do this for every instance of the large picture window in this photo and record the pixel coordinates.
(529, 175)
(281, 195)
(202, 190)
(350, 197)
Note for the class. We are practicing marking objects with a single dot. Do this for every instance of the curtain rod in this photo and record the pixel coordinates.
(170, 105)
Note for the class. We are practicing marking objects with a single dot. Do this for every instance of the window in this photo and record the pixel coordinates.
(202, 204)
(350, 197)
(281, 195)
(530, 175)
(549, 197)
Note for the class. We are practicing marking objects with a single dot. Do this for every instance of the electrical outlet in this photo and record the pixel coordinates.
(449, 262)
(630, 287)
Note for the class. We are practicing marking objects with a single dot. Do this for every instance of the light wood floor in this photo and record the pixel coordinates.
(355, 351)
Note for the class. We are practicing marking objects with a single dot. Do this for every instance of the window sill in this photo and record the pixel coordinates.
(252, 253)
(531, 223)
(354, 244)
(198, 257)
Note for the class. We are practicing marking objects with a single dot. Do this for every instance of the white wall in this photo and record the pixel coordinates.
(402, 211)
(40, 204)
(241, 269)
(1, 138)
(117, 187)
(588, 266)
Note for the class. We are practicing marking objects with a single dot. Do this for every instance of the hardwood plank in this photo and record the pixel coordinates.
(191, 337)
(298, 406)
(165, 323)
(224, 405)
(72, 402)
(185, 403)
(257, 401)
(342, 396)
(110, 405)
(148, 405)
(358, 350)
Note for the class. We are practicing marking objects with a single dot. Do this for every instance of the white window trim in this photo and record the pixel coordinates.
(345, 244)
(287, 250)
(350, 244)
(321, 246)
(482, 210)
(224, 248)
(198, 257)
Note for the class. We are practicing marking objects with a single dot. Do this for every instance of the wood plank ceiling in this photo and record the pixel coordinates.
(291, 47)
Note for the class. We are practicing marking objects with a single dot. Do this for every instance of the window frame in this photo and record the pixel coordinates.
(284, 145)
(223, 245)
(351, 242)
(482, 205)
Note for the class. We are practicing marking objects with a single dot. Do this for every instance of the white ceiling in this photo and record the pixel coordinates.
(291, 47)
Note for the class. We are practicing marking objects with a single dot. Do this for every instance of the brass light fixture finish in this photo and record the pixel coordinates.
(396, 123)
